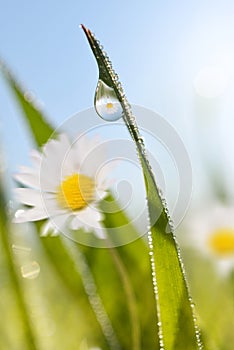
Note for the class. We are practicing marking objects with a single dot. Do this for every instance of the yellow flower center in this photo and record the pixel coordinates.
(221, 241)
(109, 105)
(76, 191)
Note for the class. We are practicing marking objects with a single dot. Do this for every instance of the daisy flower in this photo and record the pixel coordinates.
(212, 232)
(65, 185)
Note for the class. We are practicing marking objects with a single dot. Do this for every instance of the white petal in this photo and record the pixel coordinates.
(30, 179)
(100, 231)
(36, 158)
(85, 149)
(78, 152)
(50, 173)
(29, 215)
(70, 164)
(49, 176)
(100, 195)
(26, 169)
(59, 221)
(225, 266)
(86, 217)
(76, 224)
(92, 162)
(52, 207)
(78, 146)
(34, 177)
(49, 229)
(53, 146)
(78, 156)
(95, 226)
(90, 215)
(28, 196)
(75, 154)
(84, 144)
(51, 167)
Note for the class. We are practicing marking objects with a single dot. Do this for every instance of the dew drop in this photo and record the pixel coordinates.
(141, 140)
(106, 103)
(30, 270)
(29, 96)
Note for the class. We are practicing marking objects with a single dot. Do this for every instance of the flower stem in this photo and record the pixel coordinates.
(90, 287)
(131, 300)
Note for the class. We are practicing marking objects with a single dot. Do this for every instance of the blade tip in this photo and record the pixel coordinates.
(86, 30)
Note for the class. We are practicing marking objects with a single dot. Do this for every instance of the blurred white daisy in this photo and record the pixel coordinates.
(212, 232)
(65, 185)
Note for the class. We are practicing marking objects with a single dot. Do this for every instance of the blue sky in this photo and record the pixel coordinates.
(158, 48)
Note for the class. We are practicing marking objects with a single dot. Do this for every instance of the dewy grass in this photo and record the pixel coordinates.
(174, 305)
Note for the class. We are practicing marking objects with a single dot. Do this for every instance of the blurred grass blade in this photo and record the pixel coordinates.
(38, 125)
(84, 271)
(77, 278)
(177, 327)
(8, 268)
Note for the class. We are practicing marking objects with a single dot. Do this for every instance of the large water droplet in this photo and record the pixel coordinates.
(106, 103)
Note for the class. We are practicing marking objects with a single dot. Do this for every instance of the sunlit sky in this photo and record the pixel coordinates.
(175, 57)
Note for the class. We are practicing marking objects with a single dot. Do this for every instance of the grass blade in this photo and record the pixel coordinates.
(174, 306)
(5, 236)
(39, 127)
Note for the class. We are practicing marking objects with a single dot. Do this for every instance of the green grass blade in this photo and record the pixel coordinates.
(38, 125)
(174, 303)
(174, 307)
(81, 286)
(8, 267)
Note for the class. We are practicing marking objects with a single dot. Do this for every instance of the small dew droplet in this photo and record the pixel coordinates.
(29, 96)
(30, 270)
(106, 103)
